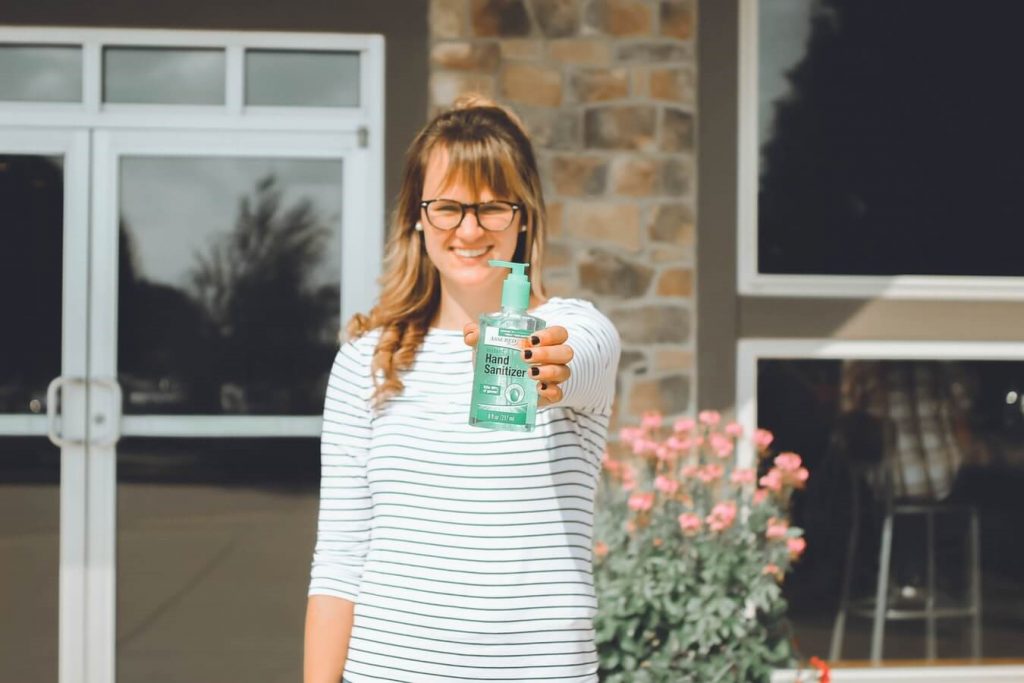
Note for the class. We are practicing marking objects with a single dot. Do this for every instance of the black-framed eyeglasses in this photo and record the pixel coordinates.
(448, 214)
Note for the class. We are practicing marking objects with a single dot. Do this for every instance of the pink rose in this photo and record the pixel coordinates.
(734, 429)
(684, 424)
(763, 439)
(689, 523)
(796, 547)
(710, 473)
(743, 475)
(664, 453)
(760, 496)
(721, 445)
(600, 549)
(689, 471)
(610, 464)
(666, 485)
(788, 462)
(629, 434)
(709, 417)
(651, 419)
(641, 501)
(776, 530)
(772, 570)
(722, 516)
(773, 480)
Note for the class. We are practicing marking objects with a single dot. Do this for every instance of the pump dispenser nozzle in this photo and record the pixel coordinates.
(515, 292)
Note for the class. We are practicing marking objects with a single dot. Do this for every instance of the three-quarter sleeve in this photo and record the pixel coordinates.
(595, 362)
(343, 529)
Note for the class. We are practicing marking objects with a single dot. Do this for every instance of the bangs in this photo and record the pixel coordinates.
(484, 164)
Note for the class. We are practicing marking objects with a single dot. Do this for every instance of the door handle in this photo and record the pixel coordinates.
(100, 418)
(52, 391)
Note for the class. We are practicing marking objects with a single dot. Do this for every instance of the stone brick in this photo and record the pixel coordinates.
(661, 254)
(654, 52)
(670, 395)
(607, 273)
(634, 177)
(465, 56)
(576, 176)
(633, 361)
(557, 255)
(561, 285)
(673, 359)
(557, 18)
(652, 324)
(554, 218)
(676, 177)
(446, 86)
(640, 79)
(673, 223)
(604, 221)
(677, 85)
(676, 18)
(447, 18)
(531, 84)
(677, 131)
(551, 128)
(581, 51)
(597, 85)
(676, 282)
(521, 48)
(499, 18)
(620, 17)
(624, 127)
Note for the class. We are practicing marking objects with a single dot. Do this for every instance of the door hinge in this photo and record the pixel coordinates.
(364, 136)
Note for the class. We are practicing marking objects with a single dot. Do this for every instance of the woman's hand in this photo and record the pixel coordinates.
(547, 354)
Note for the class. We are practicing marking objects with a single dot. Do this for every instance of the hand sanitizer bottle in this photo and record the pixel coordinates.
(504, 394)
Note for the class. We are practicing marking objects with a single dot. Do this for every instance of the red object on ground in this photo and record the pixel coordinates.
(824, 673)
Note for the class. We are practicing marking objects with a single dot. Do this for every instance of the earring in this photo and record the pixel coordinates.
(418, 227)
(522, 228)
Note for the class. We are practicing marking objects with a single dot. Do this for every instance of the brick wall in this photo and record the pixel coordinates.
(607, 89)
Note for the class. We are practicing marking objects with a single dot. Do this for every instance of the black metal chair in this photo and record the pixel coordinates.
(866, 444)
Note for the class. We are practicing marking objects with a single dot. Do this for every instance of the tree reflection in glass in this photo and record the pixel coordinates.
(245, 320)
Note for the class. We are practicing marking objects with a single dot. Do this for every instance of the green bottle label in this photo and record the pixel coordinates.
(504, 388)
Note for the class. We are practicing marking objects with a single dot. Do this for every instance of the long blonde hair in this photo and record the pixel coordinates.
(487, 148)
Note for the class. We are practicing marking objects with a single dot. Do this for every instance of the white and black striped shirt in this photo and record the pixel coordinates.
(466, 551)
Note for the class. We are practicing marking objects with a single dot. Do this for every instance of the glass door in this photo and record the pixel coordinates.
(43, 434)
(221, 274)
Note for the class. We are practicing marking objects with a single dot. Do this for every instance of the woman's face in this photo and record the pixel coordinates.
(461, 254)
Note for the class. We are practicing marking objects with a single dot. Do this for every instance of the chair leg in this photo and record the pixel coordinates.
(929, 600)
(839, 627)
(974, 574)
(882, 590)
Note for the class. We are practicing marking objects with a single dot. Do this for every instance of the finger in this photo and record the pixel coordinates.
(557, 355)
(550, 373)
(549, 336)
(470, 334)
(548, 394)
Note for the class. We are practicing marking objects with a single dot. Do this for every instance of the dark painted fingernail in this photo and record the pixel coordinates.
(535, 340)
(543, 386)
(534, 371)
(527, 354)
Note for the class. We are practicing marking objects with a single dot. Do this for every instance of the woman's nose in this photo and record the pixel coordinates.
(470, 225)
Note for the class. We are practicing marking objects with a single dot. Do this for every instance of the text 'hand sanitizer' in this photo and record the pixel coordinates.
(504, 394)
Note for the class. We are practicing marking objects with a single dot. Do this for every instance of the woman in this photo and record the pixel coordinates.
(446, 552)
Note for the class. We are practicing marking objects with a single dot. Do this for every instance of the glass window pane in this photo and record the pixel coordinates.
(40, 73)
(945, 436)
(146, 75)
(31, 279)
(302, 79)
(230, 273)
(29, 558)
(883, 151)
(214, 541)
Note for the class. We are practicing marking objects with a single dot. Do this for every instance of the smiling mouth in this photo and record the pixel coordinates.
(470, 253)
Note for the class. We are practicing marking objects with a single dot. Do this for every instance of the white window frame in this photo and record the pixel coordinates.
(750, 351)
(751, 282)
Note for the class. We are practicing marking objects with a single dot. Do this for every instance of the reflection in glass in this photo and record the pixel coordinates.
(29, 558)
(302, 79)
(214, 541)
(40, 73)
(147, 75)
(229, 284)
(866, 165)
(946, 436)
(31, 253)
